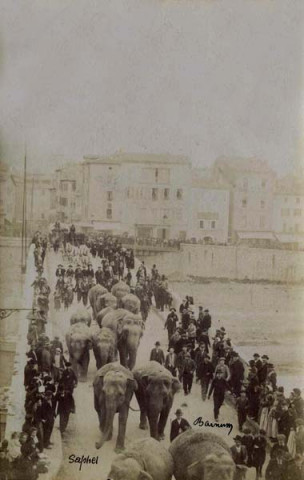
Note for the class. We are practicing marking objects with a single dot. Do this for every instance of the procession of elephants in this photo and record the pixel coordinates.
(113, 332)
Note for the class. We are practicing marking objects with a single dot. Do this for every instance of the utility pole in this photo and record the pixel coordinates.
(24, 225)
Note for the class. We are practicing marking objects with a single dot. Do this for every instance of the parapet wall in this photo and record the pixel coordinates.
(231, 262)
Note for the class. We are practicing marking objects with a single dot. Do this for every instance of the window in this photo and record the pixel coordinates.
(285, 212)
(166, 193)
(201, 223)
(263, 183)
(179, 194)
(297, 212)
(297, 228)
(298, 199)
(63, 201)
(262, 222)
(109, 196)
(73, 186)
(128, 193)
(213, 224)
(154, 193)
(244, 202)
(262, 204)
(64, 186)
(284, 227)
(109, 213)
(156, 174)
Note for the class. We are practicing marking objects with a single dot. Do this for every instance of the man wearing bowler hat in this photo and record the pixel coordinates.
(171, 322)
(239, 456)
(179, 425)
(157, 354)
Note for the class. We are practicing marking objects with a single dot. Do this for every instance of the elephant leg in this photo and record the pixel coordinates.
(122, 424)
(143, 425)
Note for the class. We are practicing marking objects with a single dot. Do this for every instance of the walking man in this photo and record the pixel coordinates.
(218, 388)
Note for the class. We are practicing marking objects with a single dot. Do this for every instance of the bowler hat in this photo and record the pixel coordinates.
(172, 309)
(157, 344)
(238, 437)
(297, 391)
(256, 355)
(178, 412)
(265, 356)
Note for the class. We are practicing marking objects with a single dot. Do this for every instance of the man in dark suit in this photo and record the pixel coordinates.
(236, 373)
(239, 456)
(262, 372)
(157, 354)
(60, 272)
(179, 425)
(171, 322)
(99, 275)
(171, 361)
(48, 417)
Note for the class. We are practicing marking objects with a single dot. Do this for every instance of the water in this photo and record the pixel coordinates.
(267, 319)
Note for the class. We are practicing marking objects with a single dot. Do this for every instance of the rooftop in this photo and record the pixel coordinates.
(243, 164)
(121, 158)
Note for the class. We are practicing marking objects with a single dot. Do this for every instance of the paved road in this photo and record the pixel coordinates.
(83, 431)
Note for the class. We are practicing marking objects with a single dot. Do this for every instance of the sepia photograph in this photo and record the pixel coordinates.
(152, 240)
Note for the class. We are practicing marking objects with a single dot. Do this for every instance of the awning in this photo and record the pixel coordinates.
(289, 238)
(256, 236)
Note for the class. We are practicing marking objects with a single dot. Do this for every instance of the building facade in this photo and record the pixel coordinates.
(209, 208)
(143, 194)
(7, 196)
(288, 211)
(251, 184)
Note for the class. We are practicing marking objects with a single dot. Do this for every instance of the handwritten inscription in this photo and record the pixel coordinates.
(83, 460)
(201, 423)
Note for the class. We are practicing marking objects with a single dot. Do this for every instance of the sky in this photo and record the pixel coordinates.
(202, 78)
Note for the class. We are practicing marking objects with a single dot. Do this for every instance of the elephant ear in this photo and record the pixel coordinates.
(194, 471)
(144, 476)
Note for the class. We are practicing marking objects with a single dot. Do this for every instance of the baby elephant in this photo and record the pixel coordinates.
(145, 459)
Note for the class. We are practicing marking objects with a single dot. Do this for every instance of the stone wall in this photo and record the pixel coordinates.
(231, 262)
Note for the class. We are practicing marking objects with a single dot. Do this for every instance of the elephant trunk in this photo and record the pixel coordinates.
(109, 413)
(153, 417)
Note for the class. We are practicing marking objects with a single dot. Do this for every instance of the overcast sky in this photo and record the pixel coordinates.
(202, 78)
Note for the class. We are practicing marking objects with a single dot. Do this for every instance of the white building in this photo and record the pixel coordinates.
(251, 183)
(288, 211)
(146, 195)
(209, 208)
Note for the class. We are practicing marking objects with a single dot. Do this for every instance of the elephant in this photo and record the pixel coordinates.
(93, 295)
(131, 302)
(156, 390)
(144, 459)
(78, 340)
(113, 386)
(120, 289)
(81, 315)
(201, 456)
(114, 319)
(104, 344)
(128, 341)
(106, 300)
(102, 313)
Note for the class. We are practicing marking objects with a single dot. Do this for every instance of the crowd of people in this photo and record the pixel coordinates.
(267, 418)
